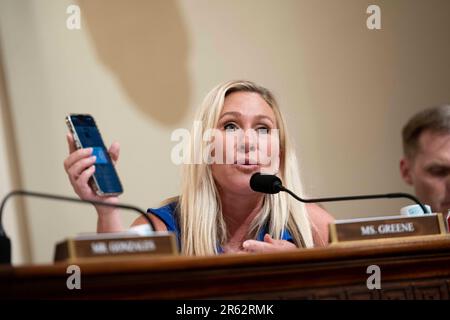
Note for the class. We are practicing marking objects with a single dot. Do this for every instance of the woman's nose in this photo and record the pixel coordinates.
(247, 141)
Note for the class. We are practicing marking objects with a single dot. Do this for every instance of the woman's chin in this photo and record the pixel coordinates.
(235, 177)
(240, 182)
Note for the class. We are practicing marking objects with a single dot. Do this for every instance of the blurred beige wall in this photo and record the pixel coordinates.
(13, 217)
(141, 68)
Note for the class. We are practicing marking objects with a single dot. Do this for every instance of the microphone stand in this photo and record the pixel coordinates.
(277, 185)
(5, 243)
(361, 197)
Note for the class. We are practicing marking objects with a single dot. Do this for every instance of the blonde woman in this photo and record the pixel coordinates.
(217, 212)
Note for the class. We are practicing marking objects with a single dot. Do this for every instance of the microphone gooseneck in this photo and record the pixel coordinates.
(267, 183)
(5, 244)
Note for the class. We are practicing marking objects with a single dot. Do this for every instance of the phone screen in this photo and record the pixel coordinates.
(105, 177)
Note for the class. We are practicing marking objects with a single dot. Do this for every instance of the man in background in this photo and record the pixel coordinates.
(426, 161)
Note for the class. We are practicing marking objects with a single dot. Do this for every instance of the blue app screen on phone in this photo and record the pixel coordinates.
(100, 154)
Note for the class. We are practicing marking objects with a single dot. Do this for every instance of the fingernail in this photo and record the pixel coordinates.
(93, 158)
(245, 244)
(89, 150)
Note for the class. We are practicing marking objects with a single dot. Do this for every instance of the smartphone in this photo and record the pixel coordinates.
(105, 181)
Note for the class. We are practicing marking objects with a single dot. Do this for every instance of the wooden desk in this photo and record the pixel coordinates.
(416, 270)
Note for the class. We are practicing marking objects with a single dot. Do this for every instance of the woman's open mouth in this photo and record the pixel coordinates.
(247, 167)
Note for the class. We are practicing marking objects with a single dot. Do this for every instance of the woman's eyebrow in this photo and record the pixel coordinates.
(231, 113)
(238, 114)
(261, 116)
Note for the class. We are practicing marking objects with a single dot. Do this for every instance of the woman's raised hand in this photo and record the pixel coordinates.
(79, 166)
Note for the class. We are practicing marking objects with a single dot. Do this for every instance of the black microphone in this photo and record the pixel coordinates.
(5, 243)
(265, 183)
(268, 183)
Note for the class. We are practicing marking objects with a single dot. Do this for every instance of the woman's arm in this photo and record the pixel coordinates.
(80, 166)
(320, 220)
(159, 224)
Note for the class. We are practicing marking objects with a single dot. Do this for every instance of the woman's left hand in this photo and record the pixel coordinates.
(268, 245)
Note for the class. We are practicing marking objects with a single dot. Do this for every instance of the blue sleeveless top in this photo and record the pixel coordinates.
(168, 216)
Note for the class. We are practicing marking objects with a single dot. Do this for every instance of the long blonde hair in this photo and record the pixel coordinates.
(202, 225)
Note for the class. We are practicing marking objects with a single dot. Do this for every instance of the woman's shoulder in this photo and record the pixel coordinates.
(320, 220)
(163, 217)
(170, 202)
(165, 209)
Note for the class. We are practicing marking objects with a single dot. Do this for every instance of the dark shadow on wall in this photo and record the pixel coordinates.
(144, 43)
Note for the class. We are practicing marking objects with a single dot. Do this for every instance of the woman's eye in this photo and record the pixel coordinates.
(263, 130)
(230, 127)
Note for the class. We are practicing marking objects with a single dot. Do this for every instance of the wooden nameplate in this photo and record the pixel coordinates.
(382, 229)
(115, 245)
